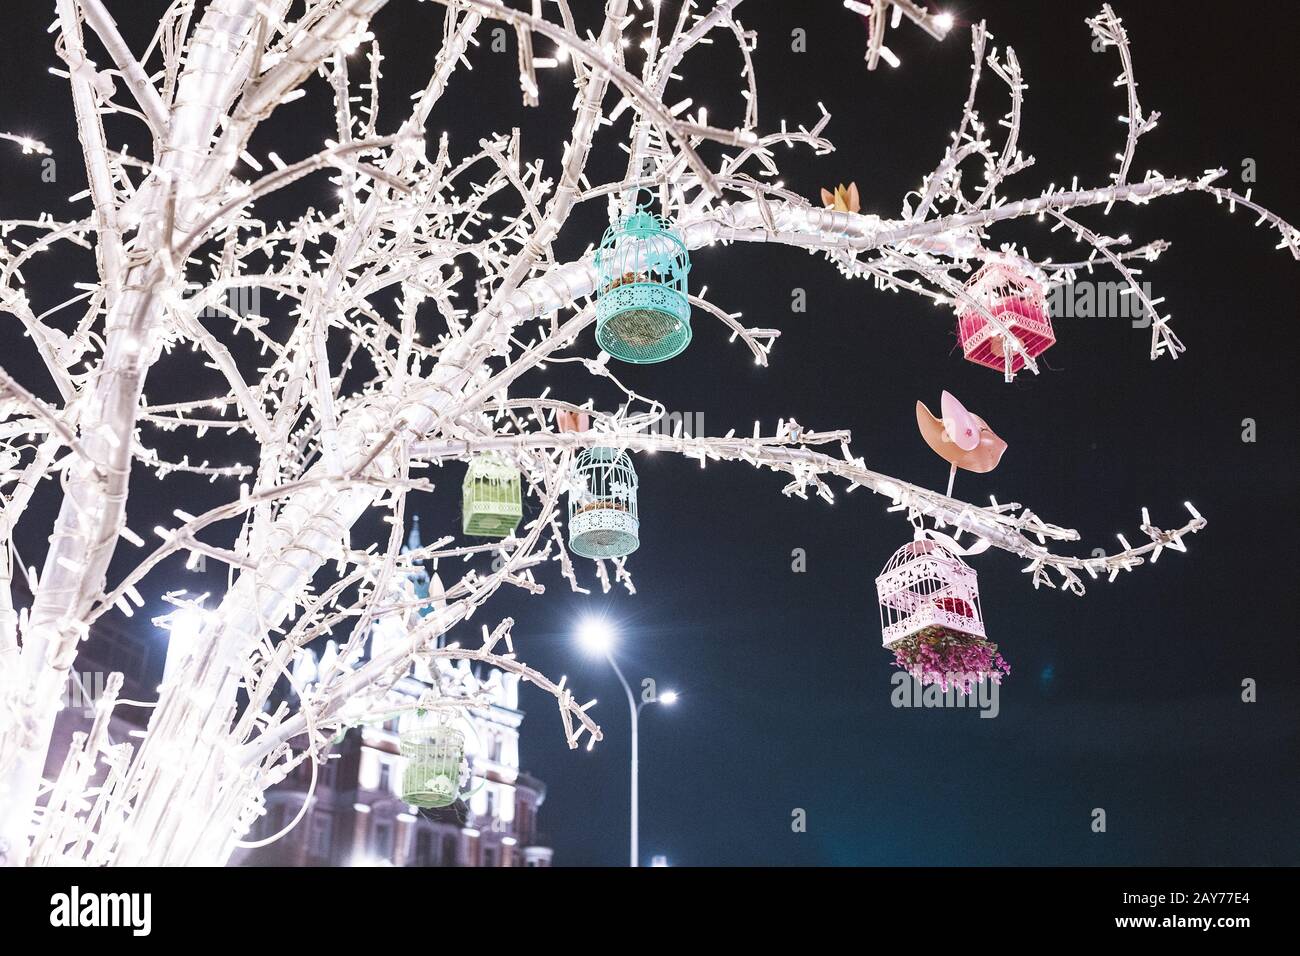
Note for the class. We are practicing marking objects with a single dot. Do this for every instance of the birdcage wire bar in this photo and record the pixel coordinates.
(603, 518)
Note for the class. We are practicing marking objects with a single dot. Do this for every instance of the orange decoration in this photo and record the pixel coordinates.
(842, 200)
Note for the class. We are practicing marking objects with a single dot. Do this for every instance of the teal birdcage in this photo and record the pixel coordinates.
(642, 313)
(491, 498)
(603, 518)
(435, 763)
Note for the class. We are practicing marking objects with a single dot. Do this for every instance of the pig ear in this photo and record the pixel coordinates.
(963, 427)
(854, 205)
(828, 198)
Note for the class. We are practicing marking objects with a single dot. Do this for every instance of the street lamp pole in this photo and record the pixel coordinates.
(635, 710)
(598, 638)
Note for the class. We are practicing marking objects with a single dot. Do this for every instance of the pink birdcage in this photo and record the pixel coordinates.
(1017, 301)
(925, 585)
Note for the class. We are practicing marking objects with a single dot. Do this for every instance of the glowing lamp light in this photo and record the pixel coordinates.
(668, 697)
(595, 635)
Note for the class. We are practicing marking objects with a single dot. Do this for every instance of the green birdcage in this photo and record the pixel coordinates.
(491, 498)
(603, 517)
(642, 312)
(435, 762)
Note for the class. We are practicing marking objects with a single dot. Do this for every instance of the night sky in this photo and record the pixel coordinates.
(1128, 699)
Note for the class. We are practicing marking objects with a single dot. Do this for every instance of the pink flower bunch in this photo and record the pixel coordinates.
(936, 655)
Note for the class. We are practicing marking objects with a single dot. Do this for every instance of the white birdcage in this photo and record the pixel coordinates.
(603, 517)
(926, 585)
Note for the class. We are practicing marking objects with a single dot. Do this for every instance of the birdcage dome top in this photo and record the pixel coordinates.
(917, 549)
(1007, 269)
(641, 224)
(491, 466)
(601, 453)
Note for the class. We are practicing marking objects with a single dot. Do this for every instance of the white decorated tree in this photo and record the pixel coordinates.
(180, 230)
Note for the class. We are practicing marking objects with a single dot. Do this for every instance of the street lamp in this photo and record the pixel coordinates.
(597, 637)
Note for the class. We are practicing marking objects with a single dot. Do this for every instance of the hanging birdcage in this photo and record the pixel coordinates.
(1017, 301)
(435, 762)
(926, 585)
(491, 498)
(603, 521)
(642, 313)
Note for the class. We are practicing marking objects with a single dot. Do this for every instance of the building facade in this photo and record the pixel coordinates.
(356, 816)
